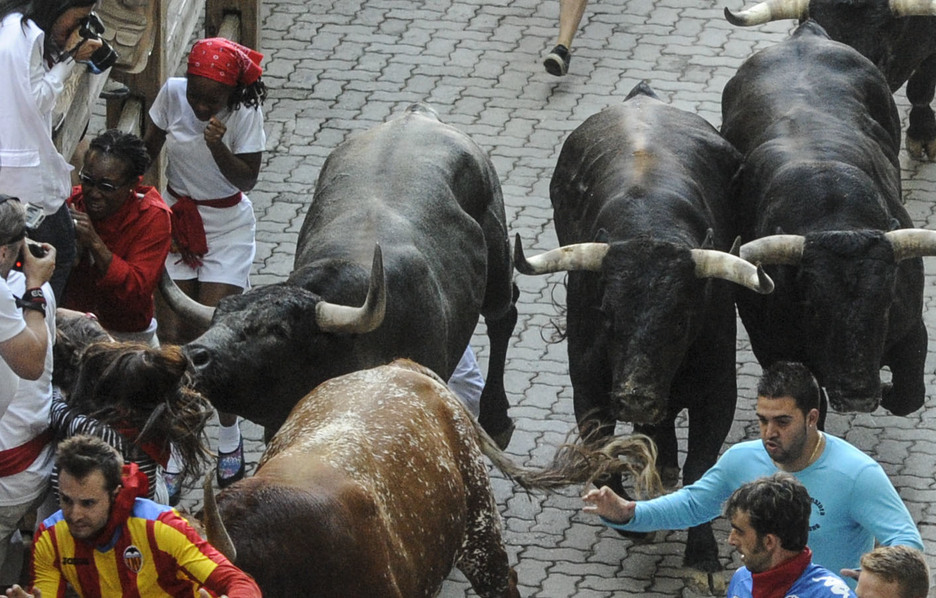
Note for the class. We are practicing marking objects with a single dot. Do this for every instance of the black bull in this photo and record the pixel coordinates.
(820, 134)
(430, 198)
(899, 36)
(650, 327)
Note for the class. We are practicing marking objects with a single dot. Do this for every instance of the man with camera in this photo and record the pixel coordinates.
(27, 332)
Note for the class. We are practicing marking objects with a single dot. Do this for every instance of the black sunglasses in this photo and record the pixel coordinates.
(105, 186)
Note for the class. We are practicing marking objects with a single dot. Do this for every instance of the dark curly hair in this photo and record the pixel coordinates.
(778, 505)
(251, 96)
(126, 147)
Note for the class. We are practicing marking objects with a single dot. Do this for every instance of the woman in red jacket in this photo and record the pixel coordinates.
(123, 231)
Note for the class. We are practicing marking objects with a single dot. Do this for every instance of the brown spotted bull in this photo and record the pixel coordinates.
(375, 487)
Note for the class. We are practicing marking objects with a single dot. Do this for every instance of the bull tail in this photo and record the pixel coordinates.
(582, 461)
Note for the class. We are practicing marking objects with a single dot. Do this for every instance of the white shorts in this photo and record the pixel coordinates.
(231, 247)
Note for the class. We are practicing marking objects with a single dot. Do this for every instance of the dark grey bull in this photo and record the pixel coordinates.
(899, 36)
(430, 198)
(650, 316)
(820, 134)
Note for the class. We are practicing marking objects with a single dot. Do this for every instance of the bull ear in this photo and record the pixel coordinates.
(214, 526)
(912, 243)
(602, 236)
(894, 224)
(709, 241)
(736, 247)
(357, 320)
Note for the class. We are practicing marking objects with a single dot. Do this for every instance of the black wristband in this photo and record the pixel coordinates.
(33, 299)
(34, 295)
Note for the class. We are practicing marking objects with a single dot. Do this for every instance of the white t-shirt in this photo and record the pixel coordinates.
(190, 169)
(11, 324)
(32, 168)
(28, 414)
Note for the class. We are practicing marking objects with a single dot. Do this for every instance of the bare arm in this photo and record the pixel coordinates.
(154, 139)
(25, 352)
(241, 170)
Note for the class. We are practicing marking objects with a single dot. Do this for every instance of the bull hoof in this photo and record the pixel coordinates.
(900, 405)
(921, 150)
(502, 438)
(705, 583)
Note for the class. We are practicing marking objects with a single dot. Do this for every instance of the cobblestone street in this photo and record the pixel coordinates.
(334, 68)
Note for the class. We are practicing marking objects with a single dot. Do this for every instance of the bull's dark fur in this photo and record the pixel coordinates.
(431, 198)
(820, 133)
(904, 49)
(646, 337)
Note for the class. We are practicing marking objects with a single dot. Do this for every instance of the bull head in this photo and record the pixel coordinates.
(588, 256)
(329, 316)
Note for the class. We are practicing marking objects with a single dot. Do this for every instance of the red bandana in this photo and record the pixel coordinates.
(775, 582)
(134, 483)
(224, 61)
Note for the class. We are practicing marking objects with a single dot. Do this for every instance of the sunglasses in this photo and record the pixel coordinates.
(105, 186)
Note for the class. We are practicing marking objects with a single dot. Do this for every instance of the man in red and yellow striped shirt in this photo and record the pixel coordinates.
(106, 541)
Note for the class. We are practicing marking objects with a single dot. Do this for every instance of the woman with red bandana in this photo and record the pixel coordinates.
(212, 126)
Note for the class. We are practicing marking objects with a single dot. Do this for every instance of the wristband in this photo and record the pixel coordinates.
(33, 299)
(34, 295)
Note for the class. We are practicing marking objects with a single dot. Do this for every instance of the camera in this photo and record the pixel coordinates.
(104, 57)
(34, 216)
(34, 248)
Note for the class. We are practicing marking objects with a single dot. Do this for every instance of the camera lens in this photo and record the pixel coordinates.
(102, 59)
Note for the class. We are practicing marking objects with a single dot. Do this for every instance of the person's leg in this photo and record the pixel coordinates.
(58, 230)
(570, 16)
(467, 382)
(171, 329)
(11, 546)
(231, 464)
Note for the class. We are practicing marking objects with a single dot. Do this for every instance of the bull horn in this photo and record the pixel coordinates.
(580, 256)
(775, 249)
(187, 308)
(771, 10)
(357, 320)
(214, 525)
(718, 264)
(912, 242)
(913, 8)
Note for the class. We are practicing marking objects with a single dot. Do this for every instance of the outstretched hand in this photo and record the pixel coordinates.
(606, 503)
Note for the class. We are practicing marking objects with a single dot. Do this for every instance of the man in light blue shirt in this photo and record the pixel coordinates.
(854, 502)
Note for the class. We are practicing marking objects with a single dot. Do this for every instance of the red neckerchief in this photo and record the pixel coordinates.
(157, 451)
(775, 582)
(134, 484)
